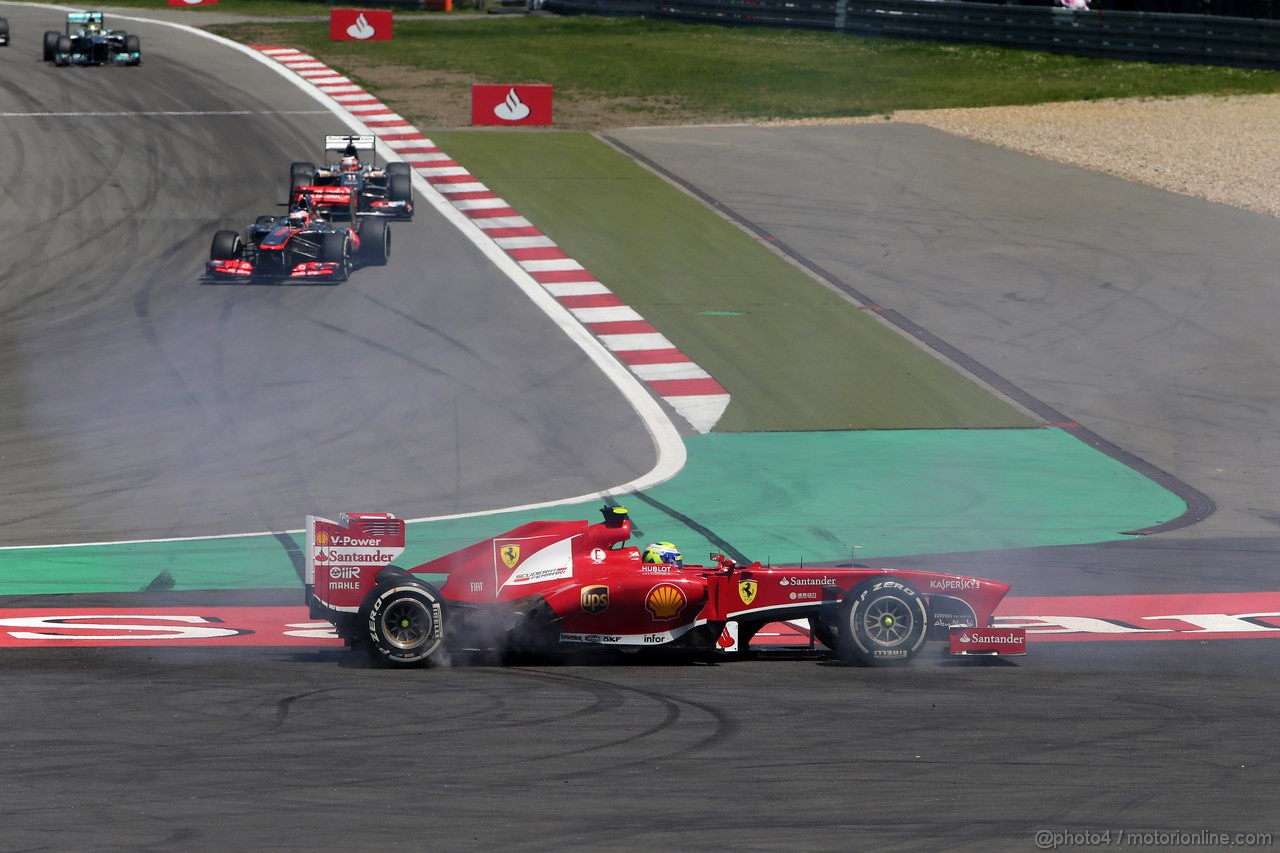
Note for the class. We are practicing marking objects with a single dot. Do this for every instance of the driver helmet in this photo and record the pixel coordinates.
(350, 164)
(299, 217)
(663, 554)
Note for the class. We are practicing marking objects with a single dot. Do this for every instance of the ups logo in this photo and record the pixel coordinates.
(595, 599)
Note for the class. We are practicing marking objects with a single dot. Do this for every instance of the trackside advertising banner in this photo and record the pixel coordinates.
(360, 25)
(515, 105)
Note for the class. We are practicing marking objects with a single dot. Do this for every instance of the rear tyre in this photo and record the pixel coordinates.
(403, 621)
(375, 241)
(227, 246)
(4, 31)
(50, 44)
(882, 621)
(62, 51)
(301, 174)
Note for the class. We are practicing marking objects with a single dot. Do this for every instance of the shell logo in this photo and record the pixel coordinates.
(322, 538)
(665, 601)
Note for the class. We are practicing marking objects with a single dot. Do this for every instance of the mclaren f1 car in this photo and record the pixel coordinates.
(548, 586)
(355, 180)
(88, 42)
(302, 246)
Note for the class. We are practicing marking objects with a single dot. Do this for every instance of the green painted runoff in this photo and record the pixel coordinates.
(784, 498)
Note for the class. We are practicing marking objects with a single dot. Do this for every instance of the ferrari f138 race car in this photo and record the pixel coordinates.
(302, 245)
(88, 42)
(356, 181)
(549, 586)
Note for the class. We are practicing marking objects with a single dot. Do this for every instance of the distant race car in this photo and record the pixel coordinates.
(382, 191)
(4, 32)
(302, 245)
(88, 42)
(554, 585)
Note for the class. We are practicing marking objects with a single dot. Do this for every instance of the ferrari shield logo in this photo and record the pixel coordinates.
(747, 591)
(510, 555)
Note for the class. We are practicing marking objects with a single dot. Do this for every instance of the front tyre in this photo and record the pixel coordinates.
(227, 246)
(375, 241)
(335, 249)
(62, 51)
(882, 621)
(403, 621)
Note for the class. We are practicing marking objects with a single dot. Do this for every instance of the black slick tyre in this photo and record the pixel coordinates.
(398, 168)
(883, 621)
(333, 249)
(50, 44)
(226, 246)
(400, 188)
(62, 51)
(132, 44)
(402, 620)
(375, 241)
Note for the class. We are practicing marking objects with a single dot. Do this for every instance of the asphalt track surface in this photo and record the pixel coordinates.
(139, 399)
(275, 749)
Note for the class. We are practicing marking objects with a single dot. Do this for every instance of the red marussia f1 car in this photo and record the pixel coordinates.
(553, 585)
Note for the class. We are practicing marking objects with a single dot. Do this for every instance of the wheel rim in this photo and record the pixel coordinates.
(888, 621)
(406, 623)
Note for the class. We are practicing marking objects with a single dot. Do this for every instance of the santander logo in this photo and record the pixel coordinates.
(361, 29)
(512, 109)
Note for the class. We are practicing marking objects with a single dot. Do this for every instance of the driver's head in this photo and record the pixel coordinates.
(350, 164)
(663, 554)
(299, 218)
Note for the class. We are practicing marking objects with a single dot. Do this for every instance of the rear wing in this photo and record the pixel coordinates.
(342, 558)
(340, 142)
(84, 18)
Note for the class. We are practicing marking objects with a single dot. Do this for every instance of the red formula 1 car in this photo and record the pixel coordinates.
(551, 585)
